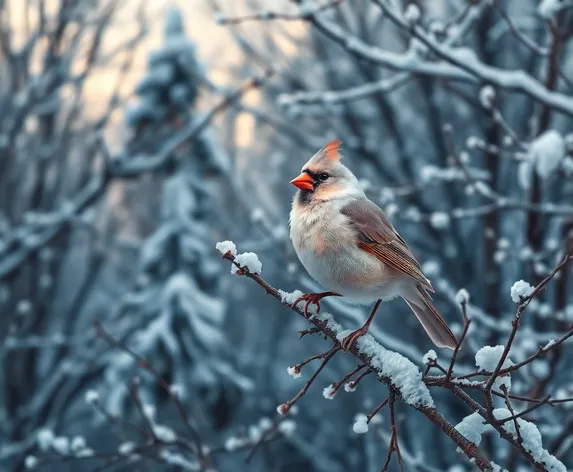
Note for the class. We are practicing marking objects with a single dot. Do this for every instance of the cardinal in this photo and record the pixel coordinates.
(350, 247)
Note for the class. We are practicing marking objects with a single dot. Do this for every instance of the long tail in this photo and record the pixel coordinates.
(422, 306)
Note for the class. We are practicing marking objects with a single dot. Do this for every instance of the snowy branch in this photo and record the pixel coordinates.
(20, 249)
(413, 388)
(414, 394)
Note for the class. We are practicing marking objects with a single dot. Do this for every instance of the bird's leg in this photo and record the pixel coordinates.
(314, 298)
(351, 339)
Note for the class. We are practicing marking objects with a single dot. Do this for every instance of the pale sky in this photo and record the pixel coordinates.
(215, 47)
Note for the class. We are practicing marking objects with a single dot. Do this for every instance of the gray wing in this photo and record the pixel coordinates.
(378, 237)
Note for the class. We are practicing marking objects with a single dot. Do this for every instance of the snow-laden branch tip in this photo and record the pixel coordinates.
(248, 260)
(463, 296)
(126, 448)
(349, 387)
(92, 397)
(329, 392)
(360, 425)
(412, 14)
(31, 462)
(440, 220)
(519, 290)
(45, 439)
(548, 9)
(293, 372)
(226, 246)
(547, 152)
(488, 358)
(487, 96)
(430, 356)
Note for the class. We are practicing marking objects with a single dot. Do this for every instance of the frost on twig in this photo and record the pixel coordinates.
(474, 426)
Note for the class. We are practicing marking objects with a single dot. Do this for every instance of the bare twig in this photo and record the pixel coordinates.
(467, 322)
(144, 364)
(519, 439)
(394, 447)
(286, 406)
(376, 410)
(516, 323)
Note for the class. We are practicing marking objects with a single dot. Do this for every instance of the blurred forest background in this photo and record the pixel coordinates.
(136, 135)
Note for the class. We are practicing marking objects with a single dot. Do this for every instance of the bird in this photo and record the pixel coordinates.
(349, 246)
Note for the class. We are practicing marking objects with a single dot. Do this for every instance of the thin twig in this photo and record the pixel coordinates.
(286, 406)
(336, 386)
(393, 446)
(376, 410)
(144, 364)
(516, 322)
(519, 439)
(467, 322)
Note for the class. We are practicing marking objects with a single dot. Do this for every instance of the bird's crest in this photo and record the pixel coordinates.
(331, 150)
(325, 156)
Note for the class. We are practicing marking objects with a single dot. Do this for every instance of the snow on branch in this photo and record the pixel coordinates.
(457, 64)
(401, 376)
(405, 381)
(466, 60)
(33, 239)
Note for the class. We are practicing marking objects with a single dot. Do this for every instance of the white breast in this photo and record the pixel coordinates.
(325, 243)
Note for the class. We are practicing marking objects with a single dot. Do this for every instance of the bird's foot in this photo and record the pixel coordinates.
(353, 337)
(314, 299)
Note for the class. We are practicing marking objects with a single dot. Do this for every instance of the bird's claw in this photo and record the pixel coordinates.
(310, 299)
(352, 338)
(313, 299)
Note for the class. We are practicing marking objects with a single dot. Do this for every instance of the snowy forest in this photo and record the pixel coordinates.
(148, 281)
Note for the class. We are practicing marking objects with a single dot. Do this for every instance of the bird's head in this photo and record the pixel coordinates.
(324, 177)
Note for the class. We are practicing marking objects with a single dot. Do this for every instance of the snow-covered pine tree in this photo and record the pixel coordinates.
(175, 314)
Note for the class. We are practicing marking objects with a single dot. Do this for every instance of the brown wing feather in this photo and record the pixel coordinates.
(379, 238)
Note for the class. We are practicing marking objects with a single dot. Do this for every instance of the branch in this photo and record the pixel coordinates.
(330, 329)
(144, 364)
(465, 65)
(286, 406)
(513, 416)
(267, 15)
(459, 67)
(393, 446)
(467, 322)
(22, 248)
(516, 323)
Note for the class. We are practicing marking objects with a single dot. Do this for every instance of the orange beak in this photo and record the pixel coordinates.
(303, 182)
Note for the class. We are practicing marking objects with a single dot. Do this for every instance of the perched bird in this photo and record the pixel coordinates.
(348, 245)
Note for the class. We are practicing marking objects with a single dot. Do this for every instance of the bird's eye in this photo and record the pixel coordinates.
(324, 176)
